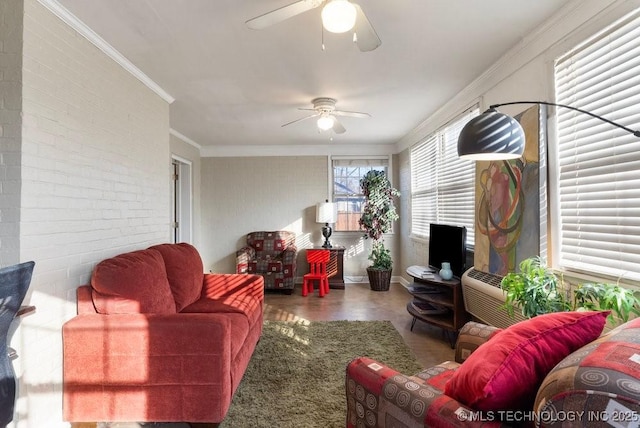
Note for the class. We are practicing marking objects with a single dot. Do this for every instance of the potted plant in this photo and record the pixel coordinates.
(598, 296)
(537, 290)
(378, 215)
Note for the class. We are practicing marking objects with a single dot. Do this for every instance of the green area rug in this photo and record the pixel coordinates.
(297, 373)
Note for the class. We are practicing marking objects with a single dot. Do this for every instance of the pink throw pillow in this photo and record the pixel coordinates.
(505, 372)
(134, 282)
(184, 271)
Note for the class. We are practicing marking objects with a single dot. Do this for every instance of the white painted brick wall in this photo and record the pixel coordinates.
(95, 183)
(10, 129)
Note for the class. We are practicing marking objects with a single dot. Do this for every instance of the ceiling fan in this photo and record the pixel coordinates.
(325, 110)
(338, 16)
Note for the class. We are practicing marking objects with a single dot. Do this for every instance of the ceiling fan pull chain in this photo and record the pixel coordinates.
(322, 35)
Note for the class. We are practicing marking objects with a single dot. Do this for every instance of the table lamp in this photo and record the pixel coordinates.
(326, 212)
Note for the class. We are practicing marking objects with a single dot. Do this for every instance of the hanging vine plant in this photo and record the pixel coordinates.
(379, 212)
(378, 215)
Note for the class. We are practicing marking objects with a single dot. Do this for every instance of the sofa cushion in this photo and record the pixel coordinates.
(505, 372)
(184, 271)
(134, 282)
(601, 377)
(206, 305)
(266, 265)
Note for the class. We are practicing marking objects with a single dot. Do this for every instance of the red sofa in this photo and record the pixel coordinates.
(156, 339)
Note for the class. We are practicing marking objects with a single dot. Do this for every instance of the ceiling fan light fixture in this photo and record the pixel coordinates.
(325, 123)
(338, 16)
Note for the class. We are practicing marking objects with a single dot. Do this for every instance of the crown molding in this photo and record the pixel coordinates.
(72, 21)
(184, 138)
(296, 150)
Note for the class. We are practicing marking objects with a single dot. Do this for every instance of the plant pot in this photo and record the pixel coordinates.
(379, 280)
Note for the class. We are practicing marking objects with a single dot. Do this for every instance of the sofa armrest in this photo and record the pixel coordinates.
(289, 254)
(377, 393)
(146, 349)
(243, 256)
(471, 336)
(84, 303)
(289, 261)
(217, 286)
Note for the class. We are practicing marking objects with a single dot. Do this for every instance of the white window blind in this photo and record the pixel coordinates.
(599, 177)
(442, 184)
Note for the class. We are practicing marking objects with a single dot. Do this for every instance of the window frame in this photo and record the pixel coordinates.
(384, 160)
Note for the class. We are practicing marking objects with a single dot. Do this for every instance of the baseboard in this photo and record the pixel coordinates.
(363, 279)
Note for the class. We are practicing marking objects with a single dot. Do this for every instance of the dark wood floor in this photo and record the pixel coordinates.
(359, 302)
(355, 302)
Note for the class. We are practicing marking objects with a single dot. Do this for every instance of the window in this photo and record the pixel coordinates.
(442, 184)
(347, 173)
(598, 163)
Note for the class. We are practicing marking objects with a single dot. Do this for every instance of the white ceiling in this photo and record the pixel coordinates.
(234, 86)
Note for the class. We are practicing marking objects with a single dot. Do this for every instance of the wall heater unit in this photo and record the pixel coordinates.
(483, 298)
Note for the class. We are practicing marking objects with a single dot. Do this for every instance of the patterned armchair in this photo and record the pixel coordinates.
(271, 255)
(598, 384)
(379, 396)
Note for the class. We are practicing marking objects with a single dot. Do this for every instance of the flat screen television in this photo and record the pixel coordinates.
(448, 244)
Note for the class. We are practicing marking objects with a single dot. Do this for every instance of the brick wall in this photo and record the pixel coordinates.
(10, 129)
(95, 182)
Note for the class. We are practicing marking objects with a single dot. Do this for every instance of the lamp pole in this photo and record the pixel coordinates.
(546, 103)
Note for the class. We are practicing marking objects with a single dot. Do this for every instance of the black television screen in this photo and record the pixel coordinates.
(448, 244)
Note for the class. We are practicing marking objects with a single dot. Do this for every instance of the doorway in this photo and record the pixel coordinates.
(181, 200)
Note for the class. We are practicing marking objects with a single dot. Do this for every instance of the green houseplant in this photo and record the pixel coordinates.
(537, 290)
(378, 215)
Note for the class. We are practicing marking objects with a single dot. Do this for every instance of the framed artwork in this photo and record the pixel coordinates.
(511, 202)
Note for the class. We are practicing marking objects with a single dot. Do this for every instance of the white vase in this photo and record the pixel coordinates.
(446, 272)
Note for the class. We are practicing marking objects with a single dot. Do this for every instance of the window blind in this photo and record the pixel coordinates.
(599, 177)
(442, 184)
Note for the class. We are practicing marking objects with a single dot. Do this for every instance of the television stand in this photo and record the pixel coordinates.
(437, 301)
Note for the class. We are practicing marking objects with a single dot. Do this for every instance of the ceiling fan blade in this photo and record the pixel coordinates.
(351, 114)
(279, 15)
(366, 37)
(301, 119)
(337, 126)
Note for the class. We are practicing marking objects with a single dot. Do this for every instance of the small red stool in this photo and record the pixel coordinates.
(318, 260)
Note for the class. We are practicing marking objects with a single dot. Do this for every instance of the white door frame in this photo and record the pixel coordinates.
(182, 200)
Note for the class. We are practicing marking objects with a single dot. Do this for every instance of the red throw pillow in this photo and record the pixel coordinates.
(505, 372)
(134, 282)
(185, 272)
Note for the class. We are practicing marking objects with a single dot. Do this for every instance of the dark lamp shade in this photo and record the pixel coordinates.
(491, 136)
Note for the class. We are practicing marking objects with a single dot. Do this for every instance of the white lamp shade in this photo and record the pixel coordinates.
(326, 212)
(325, 123)
(338, 16)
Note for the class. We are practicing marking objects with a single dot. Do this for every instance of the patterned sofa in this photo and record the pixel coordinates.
(271, 255)
(597, 384)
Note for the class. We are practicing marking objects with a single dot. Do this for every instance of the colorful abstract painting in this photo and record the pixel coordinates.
(508, 202)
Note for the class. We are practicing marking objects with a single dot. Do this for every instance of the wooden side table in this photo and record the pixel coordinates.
(445, 294)
(335, 268)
